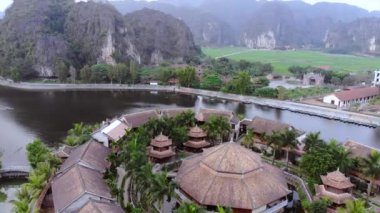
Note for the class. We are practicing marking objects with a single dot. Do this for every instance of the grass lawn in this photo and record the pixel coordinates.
(282, 60)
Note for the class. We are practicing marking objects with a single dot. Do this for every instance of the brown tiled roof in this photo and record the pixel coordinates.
(64, 152)
(161, 154)
(161, 141)
(93, 206)
(197, 132)
(320, 191)
(358, 150)
(137, 119)
(230, 175)
(115, 130)
(91, 154)
(197, 144)
(75, 183)
(204, 114)
(262, 125)
(353, 94)
(337, 180)
(174, 112)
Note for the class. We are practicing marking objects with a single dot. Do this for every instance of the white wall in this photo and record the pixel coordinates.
(332, 98)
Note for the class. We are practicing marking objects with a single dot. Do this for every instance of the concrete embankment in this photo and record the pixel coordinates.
(328, 113)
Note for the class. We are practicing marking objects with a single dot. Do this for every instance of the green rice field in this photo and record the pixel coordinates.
(282, 60)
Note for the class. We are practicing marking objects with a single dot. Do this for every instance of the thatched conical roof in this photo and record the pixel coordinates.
(197, 132)
(337, 180)
(161, 141)
(230, 175)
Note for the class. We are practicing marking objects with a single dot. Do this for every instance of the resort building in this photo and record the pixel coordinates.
(91, 155)
(160, 150)
(197, 140)
(94, 206)
(376, 80)
(113, 131)
(230, 175)
(205, 114)
(64, 152)
(135, 120)
(346, 98)
(263, 126)
(72, 190)
(361, 151)
(315, 79)
(337, 188)
(171, 113)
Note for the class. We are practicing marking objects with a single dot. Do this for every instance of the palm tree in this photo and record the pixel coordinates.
(189, 208)
(289, 140)
(344, 160)
(312, 140)
(21, 206)
(275, 141)
(248, 140)
(217, 128)
(354, 206)
(161, 187)
(186, 118)
(371, 169)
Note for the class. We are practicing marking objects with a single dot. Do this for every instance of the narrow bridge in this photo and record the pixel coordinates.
(15, 172)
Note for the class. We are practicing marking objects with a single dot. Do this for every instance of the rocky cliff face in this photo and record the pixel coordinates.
(159, 37)
(360, 36)
(37, 34)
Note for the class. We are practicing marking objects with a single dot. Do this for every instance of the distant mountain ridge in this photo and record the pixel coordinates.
(259, 24)
(37, 36)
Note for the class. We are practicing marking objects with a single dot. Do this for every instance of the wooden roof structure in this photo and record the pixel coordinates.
(337, 180)
(161, 141)
(321, 191)
(266, 126)
(204, 114)
(138, 119)
(196, 132)
(77, 182)
(230, 175)
(358, 150)
(94, 206)
(91, 154)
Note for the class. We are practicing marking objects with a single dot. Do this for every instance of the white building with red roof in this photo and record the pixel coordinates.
(346, 98)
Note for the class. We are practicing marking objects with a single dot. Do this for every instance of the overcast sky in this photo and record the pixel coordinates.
(367, 4)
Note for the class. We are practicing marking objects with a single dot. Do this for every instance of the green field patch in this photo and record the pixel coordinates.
(282, 60)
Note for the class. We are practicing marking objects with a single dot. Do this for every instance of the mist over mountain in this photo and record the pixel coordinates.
(260, 24)
(38, 35)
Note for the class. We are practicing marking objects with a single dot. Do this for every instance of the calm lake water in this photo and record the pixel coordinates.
(25, 116)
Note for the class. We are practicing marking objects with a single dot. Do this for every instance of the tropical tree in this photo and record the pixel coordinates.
(217, 128)
(344, 160)
(224, 210)
(85, 74)
(186, 118)
(248, 140)
(161, 188)
(319, 206)
(354, 206)
(371, 169)
(189, 208)
(21, 206)
(187, 76)
(242, 82)
(275, 142)
(289, 140)
(37, 152)
(312, 140)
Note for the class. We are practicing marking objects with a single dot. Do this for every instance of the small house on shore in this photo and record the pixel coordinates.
(346, 98)
(232, 176)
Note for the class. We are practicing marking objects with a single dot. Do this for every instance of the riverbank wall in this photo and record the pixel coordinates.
(344, 116)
